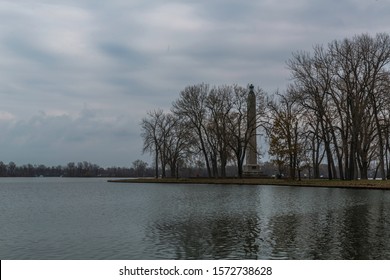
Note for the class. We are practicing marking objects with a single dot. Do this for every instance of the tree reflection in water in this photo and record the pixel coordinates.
(221, 238)
(351, 232)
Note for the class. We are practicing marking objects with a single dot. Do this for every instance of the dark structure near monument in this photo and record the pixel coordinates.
(251, 167)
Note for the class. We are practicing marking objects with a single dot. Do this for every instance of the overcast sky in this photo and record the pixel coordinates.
(77, 76)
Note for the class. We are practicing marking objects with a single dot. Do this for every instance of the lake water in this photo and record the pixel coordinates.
(66, 218)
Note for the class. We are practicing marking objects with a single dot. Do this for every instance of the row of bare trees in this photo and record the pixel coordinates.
(206, 126)
(336, 110)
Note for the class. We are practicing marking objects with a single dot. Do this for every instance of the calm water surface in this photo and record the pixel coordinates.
(63, 218)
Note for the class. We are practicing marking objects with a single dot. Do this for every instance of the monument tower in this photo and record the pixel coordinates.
(251, 167)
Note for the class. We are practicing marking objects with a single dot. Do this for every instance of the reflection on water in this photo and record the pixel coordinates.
(91, 219)
(357, 229)
(354, 233)
(223, 238)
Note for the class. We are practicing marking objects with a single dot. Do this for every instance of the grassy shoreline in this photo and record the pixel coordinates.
(356, 184)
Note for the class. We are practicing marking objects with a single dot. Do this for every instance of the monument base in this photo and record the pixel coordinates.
(252, 170)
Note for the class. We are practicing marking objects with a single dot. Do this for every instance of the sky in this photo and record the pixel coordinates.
(77, 76)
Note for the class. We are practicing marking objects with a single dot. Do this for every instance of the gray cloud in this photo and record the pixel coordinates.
(76, 77)
(55, 139)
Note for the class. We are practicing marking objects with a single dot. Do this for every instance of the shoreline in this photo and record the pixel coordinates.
(323, 183)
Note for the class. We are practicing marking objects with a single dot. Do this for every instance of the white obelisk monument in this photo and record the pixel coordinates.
(251, 167)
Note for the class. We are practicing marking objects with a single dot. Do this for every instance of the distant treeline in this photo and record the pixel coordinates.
(72, 169)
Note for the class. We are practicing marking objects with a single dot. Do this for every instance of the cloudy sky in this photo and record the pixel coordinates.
(77, 76)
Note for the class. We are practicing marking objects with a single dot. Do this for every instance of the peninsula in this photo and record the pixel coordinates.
(355, 184)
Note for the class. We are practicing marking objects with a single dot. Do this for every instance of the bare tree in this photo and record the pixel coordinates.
(152, 136)
(219, 104)
(191, 107)
(286, 132)
(312, 77)
(360, 63)
(343, 87)
(139, 167)
(178, 143)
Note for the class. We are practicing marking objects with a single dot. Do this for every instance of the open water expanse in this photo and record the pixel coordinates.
(67, 218)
